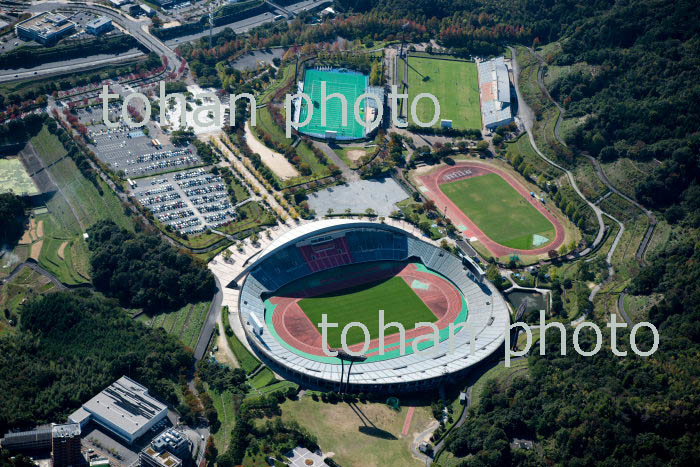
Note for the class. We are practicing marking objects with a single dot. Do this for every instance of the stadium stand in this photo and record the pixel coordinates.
(331, 243)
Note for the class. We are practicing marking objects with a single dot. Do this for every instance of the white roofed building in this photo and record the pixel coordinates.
(494, 90)
(124, 408)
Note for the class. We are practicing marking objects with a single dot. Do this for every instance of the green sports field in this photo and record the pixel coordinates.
(362, 304)
(351, 85)
(455, 84)
(500, 211)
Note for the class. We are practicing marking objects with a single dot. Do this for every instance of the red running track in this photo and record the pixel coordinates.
(462, 171)
(295, 328)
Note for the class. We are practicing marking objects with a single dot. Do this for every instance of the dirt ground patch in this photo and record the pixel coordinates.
(62, 250)
(356, 154)
(274, 160)
(36, 250)
(40, 229)
(29, 235)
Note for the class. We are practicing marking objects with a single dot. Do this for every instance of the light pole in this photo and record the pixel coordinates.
(346, 357)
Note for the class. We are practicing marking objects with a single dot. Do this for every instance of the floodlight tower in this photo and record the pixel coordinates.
(346, 357)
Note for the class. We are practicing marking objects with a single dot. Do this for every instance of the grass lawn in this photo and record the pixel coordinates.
(225, 409)
(185, 323)
(455, 84)
(362, 304)
(75, 206)
(500, 211)
(375, 429)
(249, 362)
(345, 152)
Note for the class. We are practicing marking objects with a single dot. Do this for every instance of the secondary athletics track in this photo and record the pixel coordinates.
(295, 328)
(460, 171)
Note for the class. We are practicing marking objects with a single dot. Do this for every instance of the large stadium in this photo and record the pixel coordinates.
(349, 270)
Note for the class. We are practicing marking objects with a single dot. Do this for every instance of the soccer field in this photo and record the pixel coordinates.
(362, 304)
(351, 85)
(455, 84)
(500, 211)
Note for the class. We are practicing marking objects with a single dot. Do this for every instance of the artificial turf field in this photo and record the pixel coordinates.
(455, 84)
(500, 211)
(362, 304)
(351, 85)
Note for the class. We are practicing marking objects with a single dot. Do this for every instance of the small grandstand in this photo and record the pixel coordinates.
(356, 267)
(350, 84)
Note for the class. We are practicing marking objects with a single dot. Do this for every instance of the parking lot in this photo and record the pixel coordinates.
(189, 201)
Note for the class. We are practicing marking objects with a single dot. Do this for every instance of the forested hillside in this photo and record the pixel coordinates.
(69, 347)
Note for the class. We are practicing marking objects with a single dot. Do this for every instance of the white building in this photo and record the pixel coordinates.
(494, 90)
(124, 408)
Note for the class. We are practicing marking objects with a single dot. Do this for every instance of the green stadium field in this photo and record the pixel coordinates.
(500, 211)
(362, 304)
(455, 84)
(351, 85)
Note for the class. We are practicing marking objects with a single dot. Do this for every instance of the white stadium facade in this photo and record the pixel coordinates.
(284, 261)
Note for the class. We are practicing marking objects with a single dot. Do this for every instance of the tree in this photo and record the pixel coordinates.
(210, 452)
(13, 218)
(482, 146)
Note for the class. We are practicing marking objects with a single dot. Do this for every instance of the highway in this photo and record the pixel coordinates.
(138, 28)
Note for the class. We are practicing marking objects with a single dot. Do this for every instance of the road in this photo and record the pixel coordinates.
(137, 28)
(210, 323)
(36, 267)
(82, 64)
(527, 116)
(247, 24)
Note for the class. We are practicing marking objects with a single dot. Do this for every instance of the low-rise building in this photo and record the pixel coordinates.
(124, 408)
(45, 28)
(169, 449)
(99, 25)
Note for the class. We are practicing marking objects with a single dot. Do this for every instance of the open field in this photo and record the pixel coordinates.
(351, 85)
(399, 302)
(225, 406)
(351, 155)
(74, 206)
(185, 323)
(14, 178)
(441, 78)
(499, 211)
(318, 170)
(375, 429)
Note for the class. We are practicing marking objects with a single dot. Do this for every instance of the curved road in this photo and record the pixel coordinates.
(137, 28)
(527, 117)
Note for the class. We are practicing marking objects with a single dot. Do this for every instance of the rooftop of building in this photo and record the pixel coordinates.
(68, 430)
(97, 22)
(46, 23)
(125, 403)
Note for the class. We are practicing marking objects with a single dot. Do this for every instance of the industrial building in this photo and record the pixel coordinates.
(169, 449)
(27, 441)
(99, 26)
(124, 408)
(45, 28)
(66, 445)
(494, 90)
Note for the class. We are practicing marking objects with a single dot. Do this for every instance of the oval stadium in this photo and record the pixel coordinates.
(349, 270)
